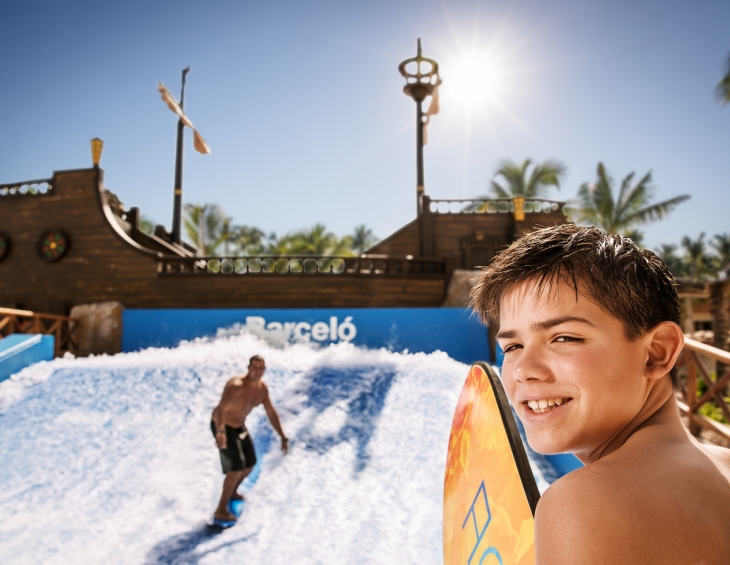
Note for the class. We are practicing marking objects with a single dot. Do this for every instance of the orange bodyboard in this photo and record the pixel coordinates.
(490, 493)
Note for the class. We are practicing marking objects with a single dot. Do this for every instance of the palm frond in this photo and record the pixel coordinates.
(633, 197)
(655, 211)
(498, 191)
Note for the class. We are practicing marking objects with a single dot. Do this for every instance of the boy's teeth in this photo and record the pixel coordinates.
(545, 404)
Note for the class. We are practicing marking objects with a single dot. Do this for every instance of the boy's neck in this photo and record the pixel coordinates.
(659, 408)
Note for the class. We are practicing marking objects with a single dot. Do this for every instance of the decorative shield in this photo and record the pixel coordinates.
(53, 244)
(490, 493)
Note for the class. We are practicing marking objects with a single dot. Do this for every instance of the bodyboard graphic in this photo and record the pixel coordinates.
(490, 493)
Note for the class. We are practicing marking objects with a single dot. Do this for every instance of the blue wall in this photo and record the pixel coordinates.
(18, 351)
(452, 330)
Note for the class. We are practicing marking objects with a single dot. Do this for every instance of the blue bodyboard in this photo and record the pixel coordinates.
(235, 507)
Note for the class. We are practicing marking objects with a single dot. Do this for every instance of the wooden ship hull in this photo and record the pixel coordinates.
(103, 256)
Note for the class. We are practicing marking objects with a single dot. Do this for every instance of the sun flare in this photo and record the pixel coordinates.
(472, 81)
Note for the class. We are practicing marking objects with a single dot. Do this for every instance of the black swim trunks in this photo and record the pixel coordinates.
(239, 453)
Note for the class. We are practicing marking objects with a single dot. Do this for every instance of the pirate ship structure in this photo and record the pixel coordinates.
(67, 241)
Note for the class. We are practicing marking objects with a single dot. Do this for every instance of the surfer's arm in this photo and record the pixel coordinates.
(274, 419)
(217, 417)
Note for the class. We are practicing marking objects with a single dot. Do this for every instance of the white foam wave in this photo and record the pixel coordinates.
(110, 459)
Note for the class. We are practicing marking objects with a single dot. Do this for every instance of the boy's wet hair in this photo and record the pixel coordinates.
(256, 358)
(631, 284)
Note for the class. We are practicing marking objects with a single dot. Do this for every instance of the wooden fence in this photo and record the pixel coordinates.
(367, 265)
(491, 206)
(694, 360)
(27, 322)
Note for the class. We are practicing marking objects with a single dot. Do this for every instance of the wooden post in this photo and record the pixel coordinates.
(689, 322)
(426, 228)
(718, 309)
(691, 393)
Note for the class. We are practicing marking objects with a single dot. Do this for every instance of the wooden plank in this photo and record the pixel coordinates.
(707, 350)
(704, 421)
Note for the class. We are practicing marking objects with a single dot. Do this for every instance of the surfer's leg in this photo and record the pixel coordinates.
(230, 483)
(243, 475)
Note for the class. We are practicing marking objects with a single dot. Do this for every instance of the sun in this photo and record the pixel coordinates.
(473, 81)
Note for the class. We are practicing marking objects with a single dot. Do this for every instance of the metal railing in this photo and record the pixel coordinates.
(299, 265)
(696, 369)
(43, 187)
(27, 322)
(492, 206)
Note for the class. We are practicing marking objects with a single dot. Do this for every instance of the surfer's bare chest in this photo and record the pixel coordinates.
(243, 396)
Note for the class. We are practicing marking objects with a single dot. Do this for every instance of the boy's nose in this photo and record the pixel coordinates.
(530, 366)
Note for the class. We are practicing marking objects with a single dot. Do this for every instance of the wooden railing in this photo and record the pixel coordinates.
(696, 369)
(27, 322)
(41, 187)
(299, 265)
(492, 206)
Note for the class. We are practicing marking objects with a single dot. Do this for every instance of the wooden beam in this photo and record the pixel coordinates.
(704, 421)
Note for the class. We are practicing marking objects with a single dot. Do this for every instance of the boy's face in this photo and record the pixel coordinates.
(574, 355)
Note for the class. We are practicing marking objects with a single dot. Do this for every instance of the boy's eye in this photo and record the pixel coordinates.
(511, 347)
(567, 339)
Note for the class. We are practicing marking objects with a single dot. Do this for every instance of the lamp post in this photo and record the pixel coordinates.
(96, 146)
(177, 206)
(419, 85)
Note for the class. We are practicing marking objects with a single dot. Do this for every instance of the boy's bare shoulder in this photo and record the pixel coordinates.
(719, 455)
(570, 517)
(637, 511)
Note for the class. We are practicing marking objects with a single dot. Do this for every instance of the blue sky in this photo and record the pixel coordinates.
(301, 102)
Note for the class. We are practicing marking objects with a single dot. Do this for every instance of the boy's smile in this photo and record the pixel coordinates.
(574, 378)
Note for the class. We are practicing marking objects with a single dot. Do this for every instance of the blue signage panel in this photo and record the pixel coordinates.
(452, 330)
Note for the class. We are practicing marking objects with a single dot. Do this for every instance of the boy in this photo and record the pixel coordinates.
(589, 324)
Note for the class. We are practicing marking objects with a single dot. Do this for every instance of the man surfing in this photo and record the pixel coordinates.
(228, 424)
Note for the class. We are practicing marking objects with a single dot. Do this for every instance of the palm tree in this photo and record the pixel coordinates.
(722, 90)
(699, 264)
(675, 263)
(204, 226)
(313, 241)
(517, 182)
(722, 247)
(363, 239)
(248, 240)
(597, 205)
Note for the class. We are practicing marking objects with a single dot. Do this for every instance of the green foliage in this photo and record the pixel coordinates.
(699, 265)
(721, 244)
(363, 239)
(674, 262)
(697, 261)
(211, 230)
(313, 241)
(712, 411)
(207, 227)
(517, 182)
(146, 225)
(618, 213)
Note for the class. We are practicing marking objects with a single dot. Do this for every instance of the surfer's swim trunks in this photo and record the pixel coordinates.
(239, 453)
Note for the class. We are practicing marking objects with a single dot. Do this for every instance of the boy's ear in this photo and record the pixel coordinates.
(665, 345)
